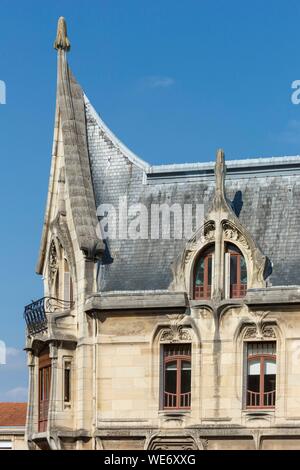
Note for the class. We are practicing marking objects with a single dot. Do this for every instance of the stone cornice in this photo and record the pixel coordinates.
(273, 296)
(136, 301)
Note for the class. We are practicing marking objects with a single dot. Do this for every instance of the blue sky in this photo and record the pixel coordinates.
(174, 80)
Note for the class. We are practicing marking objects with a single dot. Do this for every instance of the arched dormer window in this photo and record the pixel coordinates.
(235, 272)
(203, 274)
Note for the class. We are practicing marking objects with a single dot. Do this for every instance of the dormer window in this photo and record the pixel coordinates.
(235, 272)
(203, 274)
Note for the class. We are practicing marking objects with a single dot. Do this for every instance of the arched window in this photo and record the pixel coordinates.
(261, 375)
(235, 272)
(203, 273)
(177, 376)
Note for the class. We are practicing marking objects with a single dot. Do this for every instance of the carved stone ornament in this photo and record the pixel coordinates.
(204, 235)
(265, 332)
(175, 334)
(268, 332)
(209, 231)
(251, 332)
(233, 234)
(53, 262)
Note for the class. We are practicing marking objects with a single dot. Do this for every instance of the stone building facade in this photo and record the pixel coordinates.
(163, 342)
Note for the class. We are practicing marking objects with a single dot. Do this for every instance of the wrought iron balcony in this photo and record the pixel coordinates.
(35, 313)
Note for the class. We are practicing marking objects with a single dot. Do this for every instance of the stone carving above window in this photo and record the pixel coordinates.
(209, 231)
(268, 332)
(231, 233)
(250, 332)
(255, 332)
(205, 235)
(175, 334)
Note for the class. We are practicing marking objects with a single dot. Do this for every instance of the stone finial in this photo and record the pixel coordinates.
(220, 171)
(62, 42)
(220, 200)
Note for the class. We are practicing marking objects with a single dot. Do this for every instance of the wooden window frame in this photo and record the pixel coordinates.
(44, 390)
(238, 290)
(178, 396)
(207, 255)
(262, 357)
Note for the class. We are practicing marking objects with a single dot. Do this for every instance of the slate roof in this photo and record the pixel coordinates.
(13, 414)
(265, 192)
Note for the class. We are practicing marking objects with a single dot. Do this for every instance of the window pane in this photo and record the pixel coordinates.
(243, 270)
(200, 273)
(270, 367)
(186, 365)
(209, 267)
(254, 367)
(233, 269)
(253, 383)
(171, 366)
(171, 377)
(185, 377)
(270, 383)
(67, 382)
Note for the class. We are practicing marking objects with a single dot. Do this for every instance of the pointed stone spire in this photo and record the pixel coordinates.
(62, 42)
(220, 201)
(219, 208)
(220, 173)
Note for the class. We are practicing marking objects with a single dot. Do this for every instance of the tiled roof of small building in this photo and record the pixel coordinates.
(13, 414)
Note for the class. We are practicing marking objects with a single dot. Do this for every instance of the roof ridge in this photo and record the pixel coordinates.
(242, 162)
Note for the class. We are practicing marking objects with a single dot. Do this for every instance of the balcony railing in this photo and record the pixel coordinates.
(258, 400)
(238, 291)
(172, 400)
(202, 292)
(35, 313)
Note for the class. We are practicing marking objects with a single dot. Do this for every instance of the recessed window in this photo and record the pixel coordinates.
(261, 375)
(235, 272)
(177, 376)
(67, 381)
(203, 274)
